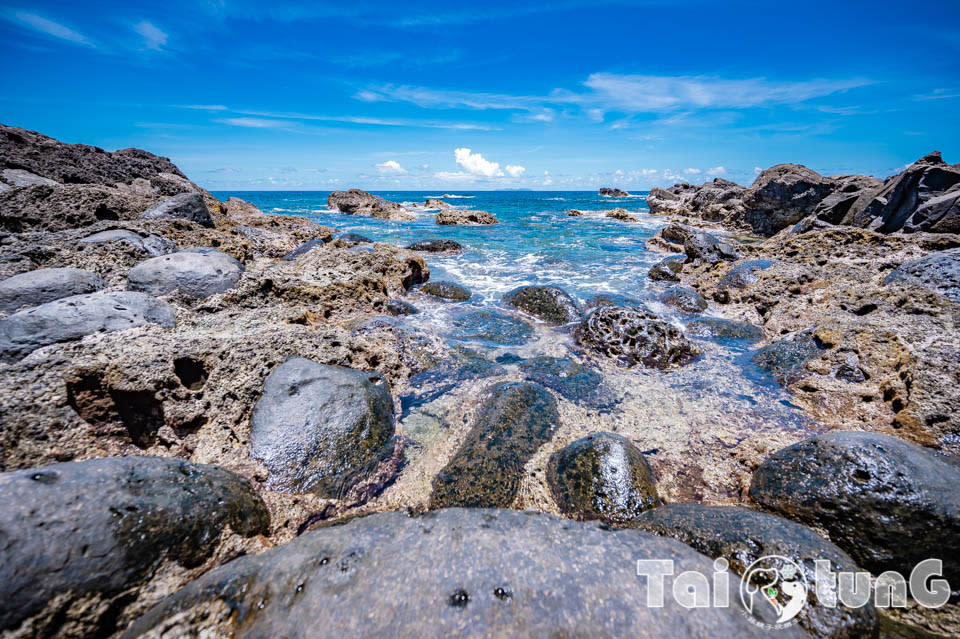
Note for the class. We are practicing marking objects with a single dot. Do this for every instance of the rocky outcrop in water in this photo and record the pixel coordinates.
(446, 291)
(357, 202)
(436, 246)
(462, 217)
(632, 335)
(548, 303)
(436, 204)
(620, 214)
(606, 191)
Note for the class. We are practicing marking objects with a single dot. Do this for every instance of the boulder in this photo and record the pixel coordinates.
(353, 238)
(602, 476)
(46, 207)
(567, 377)
(436, 204)
(357, 202)
(609, 192)
(399, 307)
(575, 213)
(152, 245)
(743, 536)
(463, 217)
(848, 189)
(321, 429)
(83, 540)
(45, 285)
(684, 298)
(186, 206)
(786, 359)
(491, 326)
(620, 214)
(611, 299)
(436, 246)
(702, 247)
(633, 335)
(666, 270)
(452, 573)
(193, 273)
(782, 196)
(235, 207)
(718, 200)
(514, 420)
(888, 503)
(548, 303)
(743, 275)
(72, 318)
(938, 272)
(716, 327)
(446, 290)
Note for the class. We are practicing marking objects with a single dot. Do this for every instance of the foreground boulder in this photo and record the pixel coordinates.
(462, 217)
(446, 291)
(602, 476)
(357, 202)
(684, 298)
(548, 303)
(786, 359)
(82, 541)
(743, 275)
(782, 196)
(71, 318)
(511, 424)
(456, 572)
(743, 536)
(45, 285)
(152, 245)
(888, 503)
(939, 272)
(702, 247)
(193, 273)
(633, 335)
(666, 270)
(321, 429)
(186, 206)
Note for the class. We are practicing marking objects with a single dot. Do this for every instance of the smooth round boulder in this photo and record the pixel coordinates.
(684, 298)
(786, 359)
(436, 246)
(548, 303)
(716, 327)
(321, 429)
(452, 573)
(446, 291)
(399, 307)
(193, 273)
(888, 503)
(81, 540)
(703, 247)
(353, 238)
(938, 272)
(74, 317)
(743, 536)
(152, 245)
(45, 285)
(666, 270)
(633, 335)
(743, 275)
(602, 476)
(186, 206)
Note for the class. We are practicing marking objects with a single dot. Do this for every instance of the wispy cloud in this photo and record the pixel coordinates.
(938, 94)
(428, 124)
(49, 27)
(153, 37)
(254, 123)
(203, 107)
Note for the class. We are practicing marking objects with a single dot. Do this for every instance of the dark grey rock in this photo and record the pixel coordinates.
(491, 326)
(511, 424)
(321, 429)
(676, 233)
(848, 189)
(633, 335)
(450, 573)
(725, 329)
(684, 298)
(45, 285)
(436, 246)
(743, 536)
(888, 503)
(303, 249)
(611, 299)
(939, 272)
(399, 307)
(446, 290)
(152, 245)
(566, 376)
(703, 247)
(743, 275)
(186, 206)
(666, 269)
(548, 303)
(57, 207)
(191, 273)
(72, 318)
(786, 359)
(357, 202)
(782, 196)
(79, 539)
(606, 191)
(353, 238)
(602, 476)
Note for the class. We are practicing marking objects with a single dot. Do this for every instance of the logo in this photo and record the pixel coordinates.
(773, 591)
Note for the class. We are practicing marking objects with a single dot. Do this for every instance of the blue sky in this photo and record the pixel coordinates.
(565, 94)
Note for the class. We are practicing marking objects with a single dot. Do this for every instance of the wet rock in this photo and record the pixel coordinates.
(513, 421)
(888, 503)
(354, 238)
(611, 299)
(620, 214)
(399, 307)
(491, 326)
(743, 275)
(191, 273)
(574, 213)
(566, 376)
(72, 318)
(716, 327)
(466, 218)
(634, 335)
(436, 246)
(446, 290)
(787, 358)
(321, 429)
(83, 540)
(435, 204)
(602, 476)
(186, 206)
(666, 269)
(152, 245)
(459, 365)
(456, 572)
(357, 202)
(45, 285)
(235, 207)
(609, 192)
(939, 272)
(743, 536)
(782, 196)
(303, 249)
(548, 303)
(703, 247)
(684, 298)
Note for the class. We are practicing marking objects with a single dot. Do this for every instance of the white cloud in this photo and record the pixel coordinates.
(717, 170)
(547, 180)
(254, 123)
(454, 176)
(692, 171)
(757, 170)
(205, 107)
(390, 167)
(514, 170)
(51, 28)
(153, 37)
(476, 164)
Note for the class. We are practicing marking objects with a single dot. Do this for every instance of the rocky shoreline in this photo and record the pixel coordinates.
(205, 426)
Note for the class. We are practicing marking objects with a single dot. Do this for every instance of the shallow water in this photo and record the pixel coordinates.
(703, 425)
